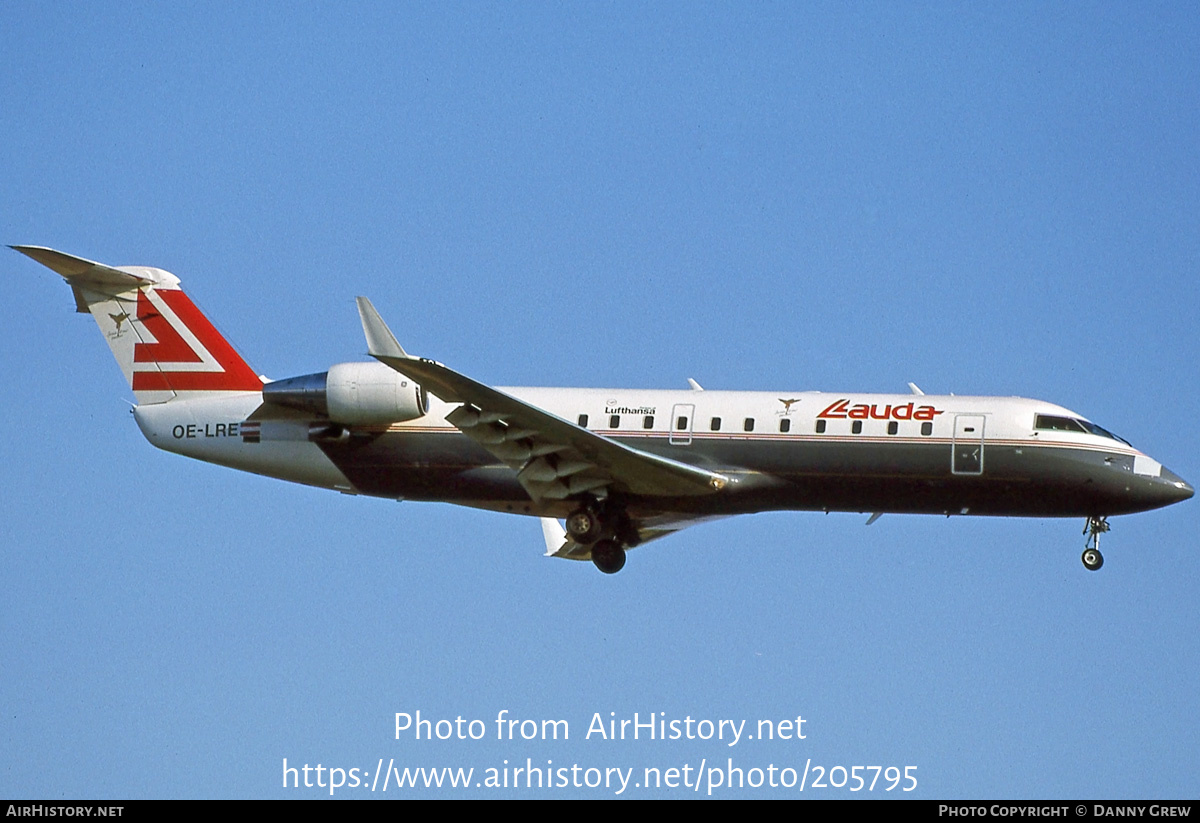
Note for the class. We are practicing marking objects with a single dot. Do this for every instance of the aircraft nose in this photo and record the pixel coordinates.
(1176, 488)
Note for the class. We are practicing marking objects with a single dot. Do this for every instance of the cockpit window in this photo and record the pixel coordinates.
(1048, 422)
(1094, 429)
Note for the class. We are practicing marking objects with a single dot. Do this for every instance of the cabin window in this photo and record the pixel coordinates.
(785, 425)
(820, 427)
(927, 428)
(614, 421)
(893, 427)
(681, 422)
(648, 421)
(748, 425)
(715, 425)
(583, 421)
(856, 427)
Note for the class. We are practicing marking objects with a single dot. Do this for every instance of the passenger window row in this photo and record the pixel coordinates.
(785, 424)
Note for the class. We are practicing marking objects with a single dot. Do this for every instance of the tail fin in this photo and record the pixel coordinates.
(164, 345)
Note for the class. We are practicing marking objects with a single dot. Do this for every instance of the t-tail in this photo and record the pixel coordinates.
(165, 346)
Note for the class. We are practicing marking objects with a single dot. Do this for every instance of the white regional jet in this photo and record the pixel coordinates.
(619, 466)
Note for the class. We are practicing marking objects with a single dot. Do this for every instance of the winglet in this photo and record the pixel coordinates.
(380, 340)
(555, 534)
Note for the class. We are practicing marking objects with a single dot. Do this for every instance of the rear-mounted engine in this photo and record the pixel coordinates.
(352, 393)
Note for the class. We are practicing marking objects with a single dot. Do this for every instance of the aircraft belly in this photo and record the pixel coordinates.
(443, 466)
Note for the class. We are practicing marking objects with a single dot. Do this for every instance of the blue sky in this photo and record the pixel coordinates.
(983, 201)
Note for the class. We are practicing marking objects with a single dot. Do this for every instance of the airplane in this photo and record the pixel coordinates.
(618, 467)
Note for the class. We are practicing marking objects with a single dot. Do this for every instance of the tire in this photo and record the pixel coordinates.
(584, 526)
(609, 556)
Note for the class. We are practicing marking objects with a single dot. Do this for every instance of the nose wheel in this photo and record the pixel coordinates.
(1096, 526)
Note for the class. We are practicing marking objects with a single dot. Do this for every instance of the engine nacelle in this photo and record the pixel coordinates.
(360, 394)
(366, 393)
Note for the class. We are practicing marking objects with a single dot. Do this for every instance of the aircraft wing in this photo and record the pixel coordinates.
(554, 459)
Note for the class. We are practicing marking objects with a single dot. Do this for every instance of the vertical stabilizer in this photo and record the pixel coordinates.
(164, 345)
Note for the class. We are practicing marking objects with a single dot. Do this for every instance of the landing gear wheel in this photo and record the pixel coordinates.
(608, 556)
(1094, 527)
(584, 526)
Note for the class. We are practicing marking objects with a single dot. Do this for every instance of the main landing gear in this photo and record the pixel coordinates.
(1095, 527)
(607, 530)
(608, 555)
(584, 525)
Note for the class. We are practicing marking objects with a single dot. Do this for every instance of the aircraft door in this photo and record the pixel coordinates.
(966, 456)
(681, 424)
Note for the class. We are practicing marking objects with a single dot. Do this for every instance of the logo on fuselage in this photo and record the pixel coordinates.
(908, 411)
(611, 407)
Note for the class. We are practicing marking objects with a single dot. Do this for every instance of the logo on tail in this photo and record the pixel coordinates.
(186, 352)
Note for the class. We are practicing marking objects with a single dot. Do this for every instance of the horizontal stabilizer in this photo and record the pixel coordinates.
(81, 272)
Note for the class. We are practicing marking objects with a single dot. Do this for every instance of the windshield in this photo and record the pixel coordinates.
(1049, 422)
(1094, 429)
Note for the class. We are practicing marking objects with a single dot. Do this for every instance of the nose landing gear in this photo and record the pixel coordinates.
(1096, 526)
